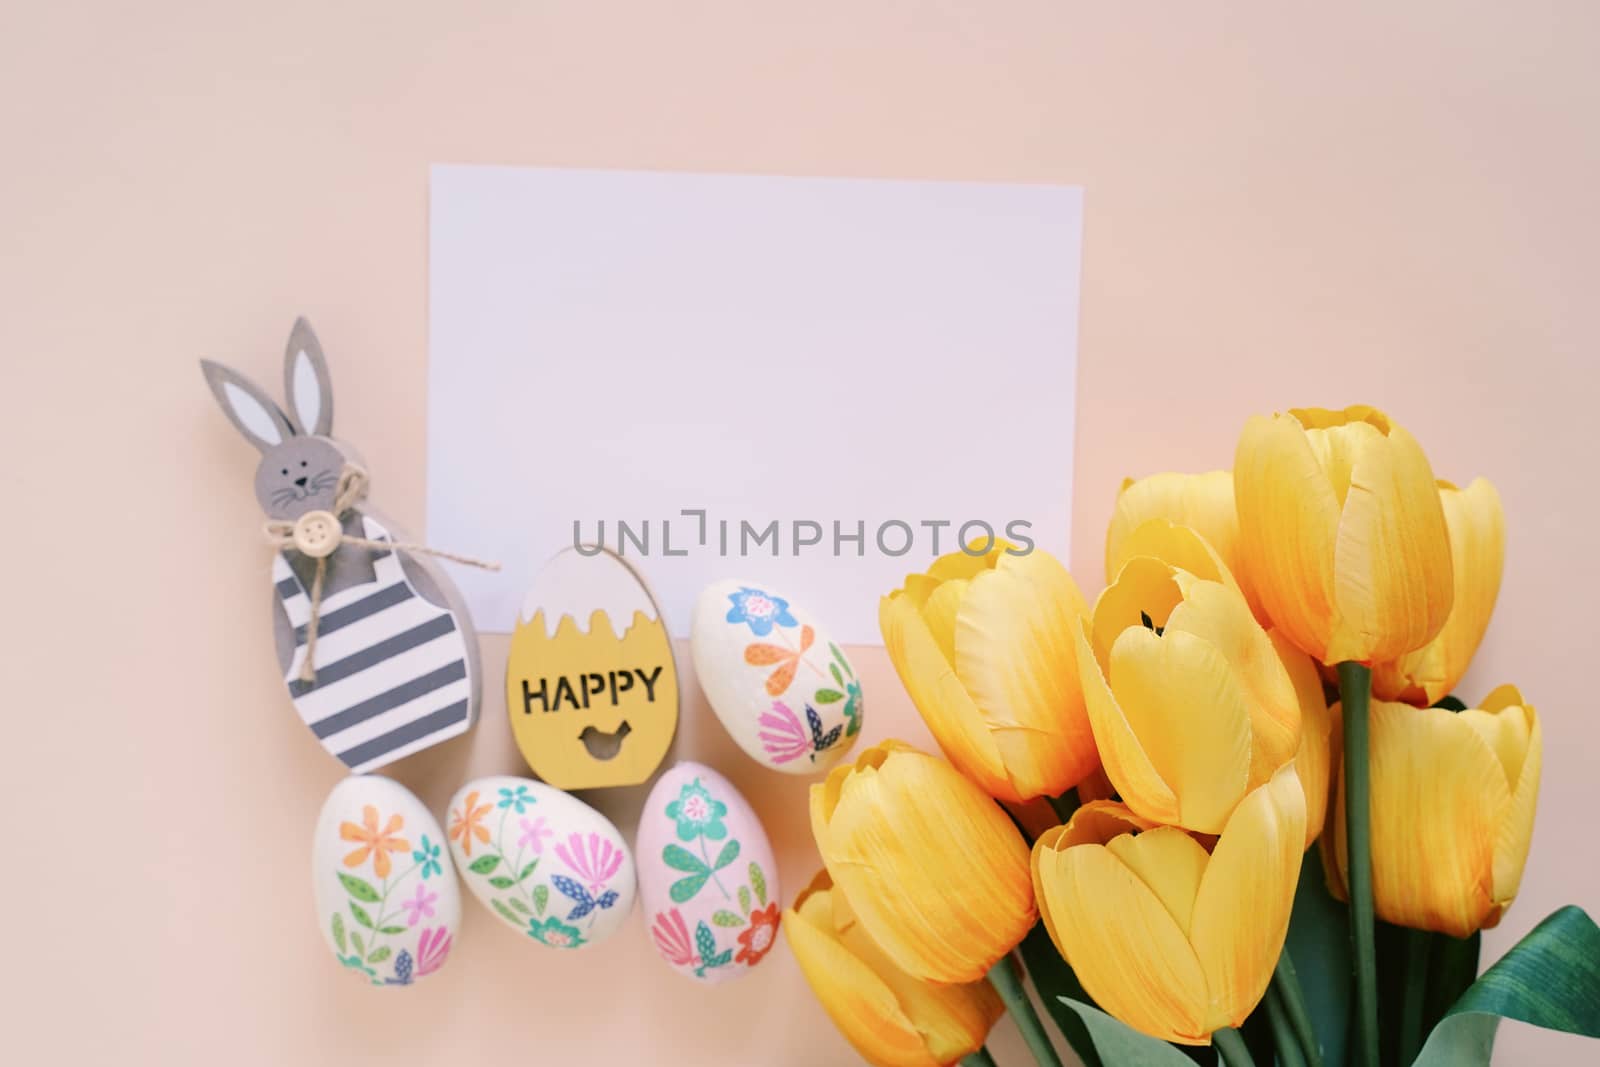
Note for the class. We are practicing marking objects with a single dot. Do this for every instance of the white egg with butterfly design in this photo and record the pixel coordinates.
(707, 880)
(782, 687)
(386, 894)
(544, 862)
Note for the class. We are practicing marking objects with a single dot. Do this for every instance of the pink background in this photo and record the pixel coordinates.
(1286, 205)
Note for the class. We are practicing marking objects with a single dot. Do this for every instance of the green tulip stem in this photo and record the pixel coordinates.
(1355, 690)
(1284, 1039)
(980, 1058)
(1065, 804)
(1286, 984)
(1418, 944)
(1231, 1048)
(1005, 981)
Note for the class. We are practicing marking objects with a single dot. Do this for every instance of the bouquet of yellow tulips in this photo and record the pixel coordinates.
(1131, 791)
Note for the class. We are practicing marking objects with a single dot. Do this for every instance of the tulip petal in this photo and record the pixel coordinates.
(1313, 760)
(953, 1020)
(1512, 729)
(1178, 546)
(861, 1005)
(962, 564)
(1170, 862)
(930, 679)
(1438, 793)
(1288, 522)
(1145, 589)
(1123, 758)
(1220, 616)
(1393, 578)
(1179, 696)
(1126, 948)
(1014, 655)
(936, 872)
(1241, 913)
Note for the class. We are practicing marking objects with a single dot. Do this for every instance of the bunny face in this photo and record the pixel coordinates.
(298, 476)
(300, 464)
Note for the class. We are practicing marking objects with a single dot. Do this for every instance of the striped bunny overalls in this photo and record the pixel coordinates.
(393, 675)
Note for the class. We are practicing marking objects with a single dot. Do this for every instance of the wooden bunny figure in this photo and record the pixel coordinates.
(375, 643)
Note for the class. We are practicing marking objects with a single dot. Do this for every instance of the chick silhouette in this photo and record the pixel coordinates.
(604, 746)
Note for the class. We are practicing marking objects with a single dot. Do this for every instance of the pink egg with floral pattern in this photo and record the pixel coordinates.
(543, 862)
(782, 687)
(707, 880)
(386, 893)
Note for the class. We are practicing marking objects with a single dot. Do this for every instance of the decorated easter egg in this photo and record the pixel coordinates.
(544, 862)
(590, 683)
(386, 893)
(781, 685)
(707, 880)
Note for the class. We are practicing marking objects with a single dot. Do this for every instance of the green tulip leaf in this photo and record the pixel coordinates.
(1551, 979)
(681, 859)
(1056, 982)
(362, 891)
(338, 932)
(1319, 944)
(729, 853)
(484, 864)
(1120, 1044)
(829, 696)
(361, 915)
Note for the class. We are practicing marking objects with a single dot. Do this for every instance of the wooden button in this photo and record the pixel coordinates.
(317, 533)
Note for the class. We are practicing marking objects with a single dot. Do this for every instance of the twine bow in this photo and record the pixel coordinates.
(319, 534)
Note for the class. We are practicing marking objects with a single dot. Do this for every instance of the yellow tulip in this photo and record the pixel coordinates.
(1313, 760)
(892, 1019)
(1452, 798)
(984, 646)
(1343, 533)
(933, 869)
(1202, 502)
(1477, 526)
(1173, 939)
(1190, 705)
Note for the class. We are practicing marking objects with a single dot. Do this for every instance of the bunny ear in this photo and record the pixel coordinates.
(306, 382)
(257, 417)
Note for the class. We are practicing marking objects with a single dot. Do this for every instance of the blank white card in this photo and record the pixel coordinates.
(814, 385)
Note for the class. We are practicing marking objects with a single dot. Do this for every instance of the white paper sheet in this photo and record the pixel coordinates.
(627, 346)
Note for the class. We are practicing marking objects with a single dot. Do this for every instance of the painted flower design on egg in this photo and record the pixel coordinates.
(390, 905)
(711, 913)
(555, 933)
(375, 843)
(757, 939)
(466, 823)
(698, 813)
(562, 877)
(783, 689)
(759, 610)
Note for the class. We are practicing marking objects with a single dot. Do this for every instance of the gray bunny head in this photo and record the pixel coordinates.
(300, 464)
